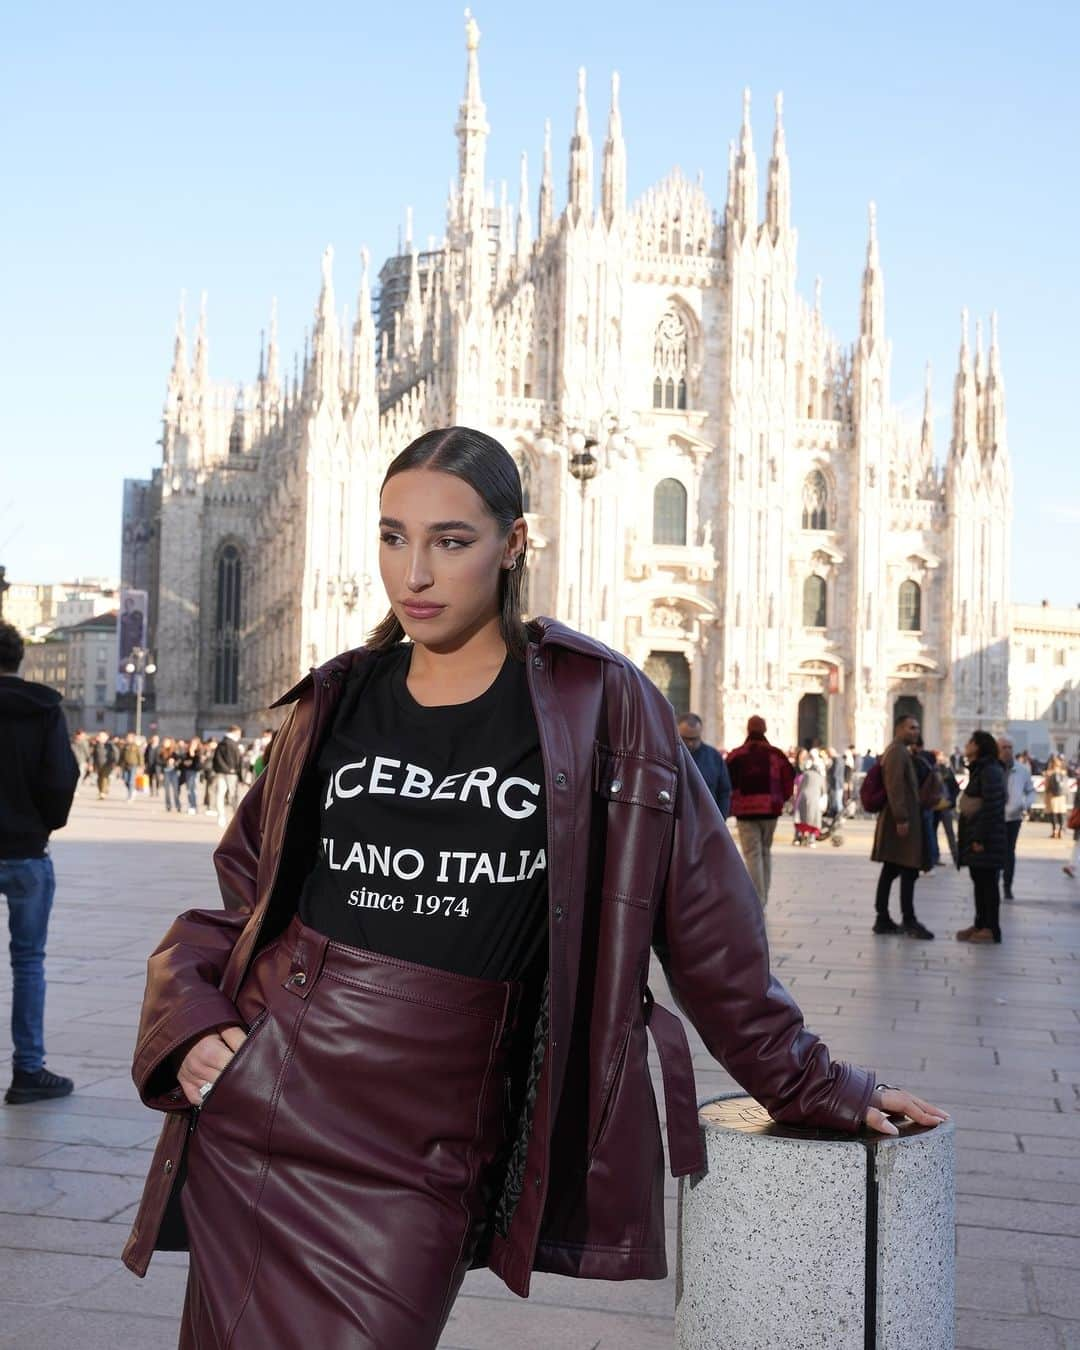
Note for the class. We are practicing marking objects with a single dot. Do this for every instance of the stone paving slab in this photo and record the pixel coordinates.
(993, 1034)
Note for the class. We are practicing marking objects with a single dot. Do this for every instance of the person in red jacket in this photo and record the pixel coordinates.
(762, 780)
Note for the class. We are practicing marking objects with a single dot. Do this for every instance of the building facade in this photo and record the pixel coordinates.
(761, 532)
(1044, 683)
(79, 661)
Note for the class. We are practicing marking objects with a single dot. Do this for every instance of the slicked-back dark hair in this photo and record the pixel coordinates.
(12, 649)
(489, 469)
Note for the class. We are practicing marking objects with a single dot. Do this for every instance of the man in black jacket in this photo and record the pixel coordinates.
(38, 777)
(225, 768)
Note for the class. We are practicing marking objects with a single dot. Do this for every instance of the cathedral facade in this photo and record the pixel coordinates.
(714, 484)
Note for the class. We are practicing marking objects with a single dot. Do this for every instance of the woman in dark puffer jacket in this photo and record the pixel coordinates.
(982, 844)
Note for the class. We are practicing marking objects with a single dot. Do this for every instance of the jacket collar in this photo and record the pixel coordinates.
(543, 632)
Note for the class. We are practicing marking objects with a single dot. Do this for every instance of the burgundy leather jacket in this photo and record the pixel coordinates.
(638, 859)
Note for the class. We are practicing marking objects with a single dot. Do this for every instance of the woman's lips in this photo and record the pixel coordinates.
(419, 611)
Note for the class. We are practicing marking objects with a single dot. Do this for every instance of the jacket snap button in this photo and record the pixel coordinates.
(616, 785)
(560, 780)
(538, 662)
(558, 911)
(663, 796)
(168, 1166)
(299, 978)
(537, 1181)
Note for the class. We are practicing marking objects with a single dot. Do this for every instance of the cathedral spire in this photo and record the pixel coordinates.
(272, 375)
(926, 438)
(994, 416)
(580, 202)
(413, 326)
(362, 380)
(778, 196)
(472, 133)
(524, 223)
(325, 338)
(546, 206)
(872, 314)
(613, 183)
(178, 375)
(742, 187)
(964, 431)
(200, 366)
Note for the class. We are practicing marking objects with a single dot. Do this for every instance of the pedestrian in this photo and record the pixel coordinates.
(225, 770)
(983, 837)
(930, 790)
(834, 780)
(944, 815)
(80, 748)
(1055, 786)
(810, 801)
(131, 760)
(433, 1066)
(709, 760)
(191, 773)
(152, 764)
(898, 841)
(1019, 796)
(169, 760)
(1072, 867)
(762, 781)
(38, 778)
(103, 757)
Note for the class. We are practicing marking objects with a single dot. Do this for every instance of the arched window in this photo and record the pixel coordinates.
(910, 607)
(236, 436)
(669, 512)
(670, 361)
(815, 502)
(526, 483)
(227, 626)
(670, 673)
(814, 612)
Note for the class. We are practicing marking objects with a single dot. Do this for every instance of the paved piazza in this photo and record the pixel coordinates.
(993, 1034)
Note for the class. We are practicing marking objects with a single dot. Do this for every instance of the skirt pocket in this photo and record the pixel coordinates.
(213, 1098)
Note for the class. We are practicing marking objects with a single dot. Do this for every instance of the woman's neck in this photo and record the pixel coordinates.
(460, 673)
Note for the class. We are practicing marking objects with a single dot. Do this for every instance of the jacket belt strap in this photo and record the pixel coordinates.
(686, 1149)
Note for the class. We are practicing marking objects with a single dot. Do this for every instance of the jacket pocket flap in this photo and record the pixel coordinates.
(623, 776)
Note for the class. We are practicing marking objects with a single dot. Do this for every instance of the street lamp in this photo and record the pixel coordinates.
(139, 667)
(583, 465)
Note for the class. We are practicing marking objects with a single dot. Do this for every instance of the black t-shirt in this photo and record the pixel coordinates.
(433, 826)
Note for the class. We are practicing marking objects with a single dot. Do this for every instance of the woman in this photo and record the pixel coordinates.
(445, 1061)
(169, 760)
(191, 761)
(809, 803)
(1055, 787)
(982, 845)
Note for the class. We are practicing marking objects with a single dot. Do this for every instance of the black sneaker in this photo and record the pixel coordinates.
(1008, 894)
(36, 1087)
(884, 927)
(917, 930)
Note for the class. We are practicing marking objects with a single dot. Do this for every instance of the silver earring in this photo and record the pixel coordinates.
(513, 565)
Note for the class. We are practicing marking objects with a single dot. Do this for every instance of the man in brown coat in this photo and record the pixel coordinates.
(898, 841)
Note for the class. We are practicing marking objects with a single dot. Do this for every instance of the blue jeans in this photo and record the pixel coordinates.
(129, 771)
(172, 789)
(29, 884)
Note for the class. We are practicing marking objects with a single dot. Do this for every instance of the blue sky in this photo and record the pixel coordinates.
(149, 149)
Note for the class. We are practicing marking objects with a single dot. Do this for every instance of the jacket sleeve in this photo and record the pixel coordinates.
(55, 788)
(723, 786)
(183, 999)
(710, 938)
(895, 781)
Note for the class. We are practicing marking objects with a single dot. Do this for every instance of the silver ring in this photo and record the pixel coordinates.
(204, 1089)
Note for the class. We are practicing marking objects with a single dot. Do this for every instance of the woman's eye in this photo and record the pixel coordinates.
(452, 545)
(389, 538)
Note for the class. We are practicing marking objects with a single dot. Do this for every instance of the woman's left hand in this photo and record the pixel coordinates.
(897, 1102)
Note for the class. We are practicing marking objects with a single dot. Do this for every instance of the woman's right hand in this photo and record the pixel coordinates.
(206, 1059)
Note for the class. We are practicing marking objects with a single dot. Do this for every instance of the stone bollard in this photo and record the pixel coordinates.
(804, 1239)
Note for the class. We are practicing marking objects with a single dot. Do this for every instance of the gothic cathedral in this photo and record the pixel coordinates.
(713, 485)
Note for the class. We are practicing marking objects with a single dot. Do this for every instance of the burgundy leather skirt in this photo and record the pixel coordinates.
(338, 1173)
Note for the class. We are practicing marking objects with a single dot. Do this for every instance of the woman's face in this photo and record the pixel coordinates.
(440, 556)
(971, 750)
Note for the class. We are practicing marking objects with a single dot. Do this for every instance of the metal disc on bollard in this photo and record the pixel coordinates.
(805, 1239)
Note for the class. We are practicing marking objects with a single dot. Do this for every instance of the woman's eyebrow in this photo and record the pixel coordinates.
(434, 528)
